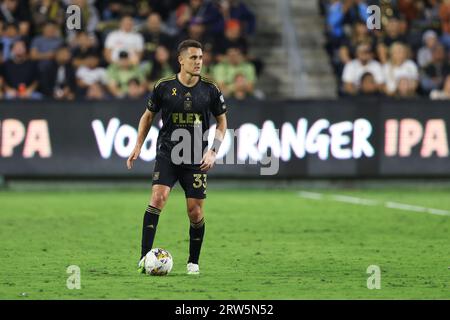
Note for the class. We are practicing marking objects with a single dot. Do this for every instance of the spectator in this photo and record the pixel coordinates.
(238, 10)
(444, 14)
(205, 12)
(410, 9)
(154, 35)
(363, 63)
(96, 92)
(135, 89)
(241, 87)
(406, 88)
(83, 47)
(143, 10)
(435, 72)
(232, 38)
(443, 94)
(357, 11)
(124, 39)
(10, 35)
(115, 9)
(431, 17)
(159, 67)
(369, 86)
(359, 35)
(120, 73)
(164, 8)
(59, 80)
(208, 64)
(1, 83)
(340, 13)
(336, 12)
(90, 73)
(393, 34)
(196, 30)
(46, 10)
(20, 74)
(225, 72)
(399, 66)
(43, 47)
(15, 11)
(424, 55)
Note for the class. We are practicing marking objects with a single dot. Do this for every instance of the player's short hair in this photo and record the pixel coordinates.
(184, 45)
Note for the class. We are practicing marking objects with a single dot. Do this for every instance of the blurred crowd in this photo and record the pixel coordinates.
(122, 48)
(407, 57)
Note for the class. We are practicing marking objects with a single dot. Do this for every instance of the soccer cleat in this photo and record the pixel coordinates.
(193, 268)
(141, 265)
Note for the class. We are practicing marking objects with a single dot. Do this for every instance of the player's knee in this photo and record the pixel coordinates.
(158, 199)
(195, 213)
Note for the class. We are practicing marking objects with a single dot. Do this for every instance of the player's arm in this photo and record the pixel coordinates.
(210, 156)
(144, 126)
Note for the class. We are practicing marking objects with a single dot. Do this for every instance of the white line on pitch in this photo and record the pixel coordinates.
(311, 195)
(354, 200)
(408, 207)
(369, 202)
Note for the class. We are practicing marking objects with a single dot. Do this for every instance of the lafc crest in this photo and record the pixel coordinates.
(187, 101)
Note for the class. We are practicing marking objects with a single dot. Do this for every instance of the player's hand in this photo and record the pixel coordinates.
(208, 160)
(133, 156)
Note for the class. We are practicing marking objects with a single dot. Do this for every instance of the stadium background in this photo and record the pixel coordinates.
(350, 113)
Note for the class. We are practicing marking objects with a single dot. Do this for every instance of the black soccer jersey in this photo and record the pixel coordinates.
(185, 111)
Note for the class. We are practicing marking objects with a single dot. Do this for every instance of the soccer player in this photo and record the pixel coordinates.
(186, 101)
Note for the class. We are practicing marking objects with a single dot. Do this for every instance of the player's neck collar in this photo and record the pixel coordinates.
(189, 87)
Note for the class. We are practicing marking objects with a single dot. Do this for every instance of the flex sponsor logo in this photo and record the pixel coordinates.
(30, 139)
(188, 118)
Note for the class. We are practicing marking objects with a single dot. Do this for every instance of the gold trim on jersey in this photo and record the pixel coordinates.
(207, 80)
(164, 80)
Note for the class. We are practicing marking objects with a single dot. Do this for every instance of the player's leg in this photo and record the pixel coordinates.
(196, 228)
(164, 177)
(158, 199)
(194, 184)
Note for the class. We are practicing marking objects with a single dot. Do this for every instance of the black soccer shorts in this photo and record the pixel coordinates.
(192, 179)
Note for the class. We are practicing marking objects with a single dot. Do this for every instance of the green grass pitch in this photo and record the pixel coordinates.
(259, 244)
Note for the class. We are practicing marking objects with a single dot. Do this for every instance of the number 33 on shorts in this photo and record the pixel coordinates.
(199, 180)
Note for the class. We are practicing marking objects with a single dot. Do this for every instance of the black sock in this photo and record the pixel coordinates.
(149, 224)
(196, 233)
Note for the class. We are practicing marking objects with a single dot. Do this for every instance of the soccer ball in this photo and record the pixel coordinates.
(158, 262)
